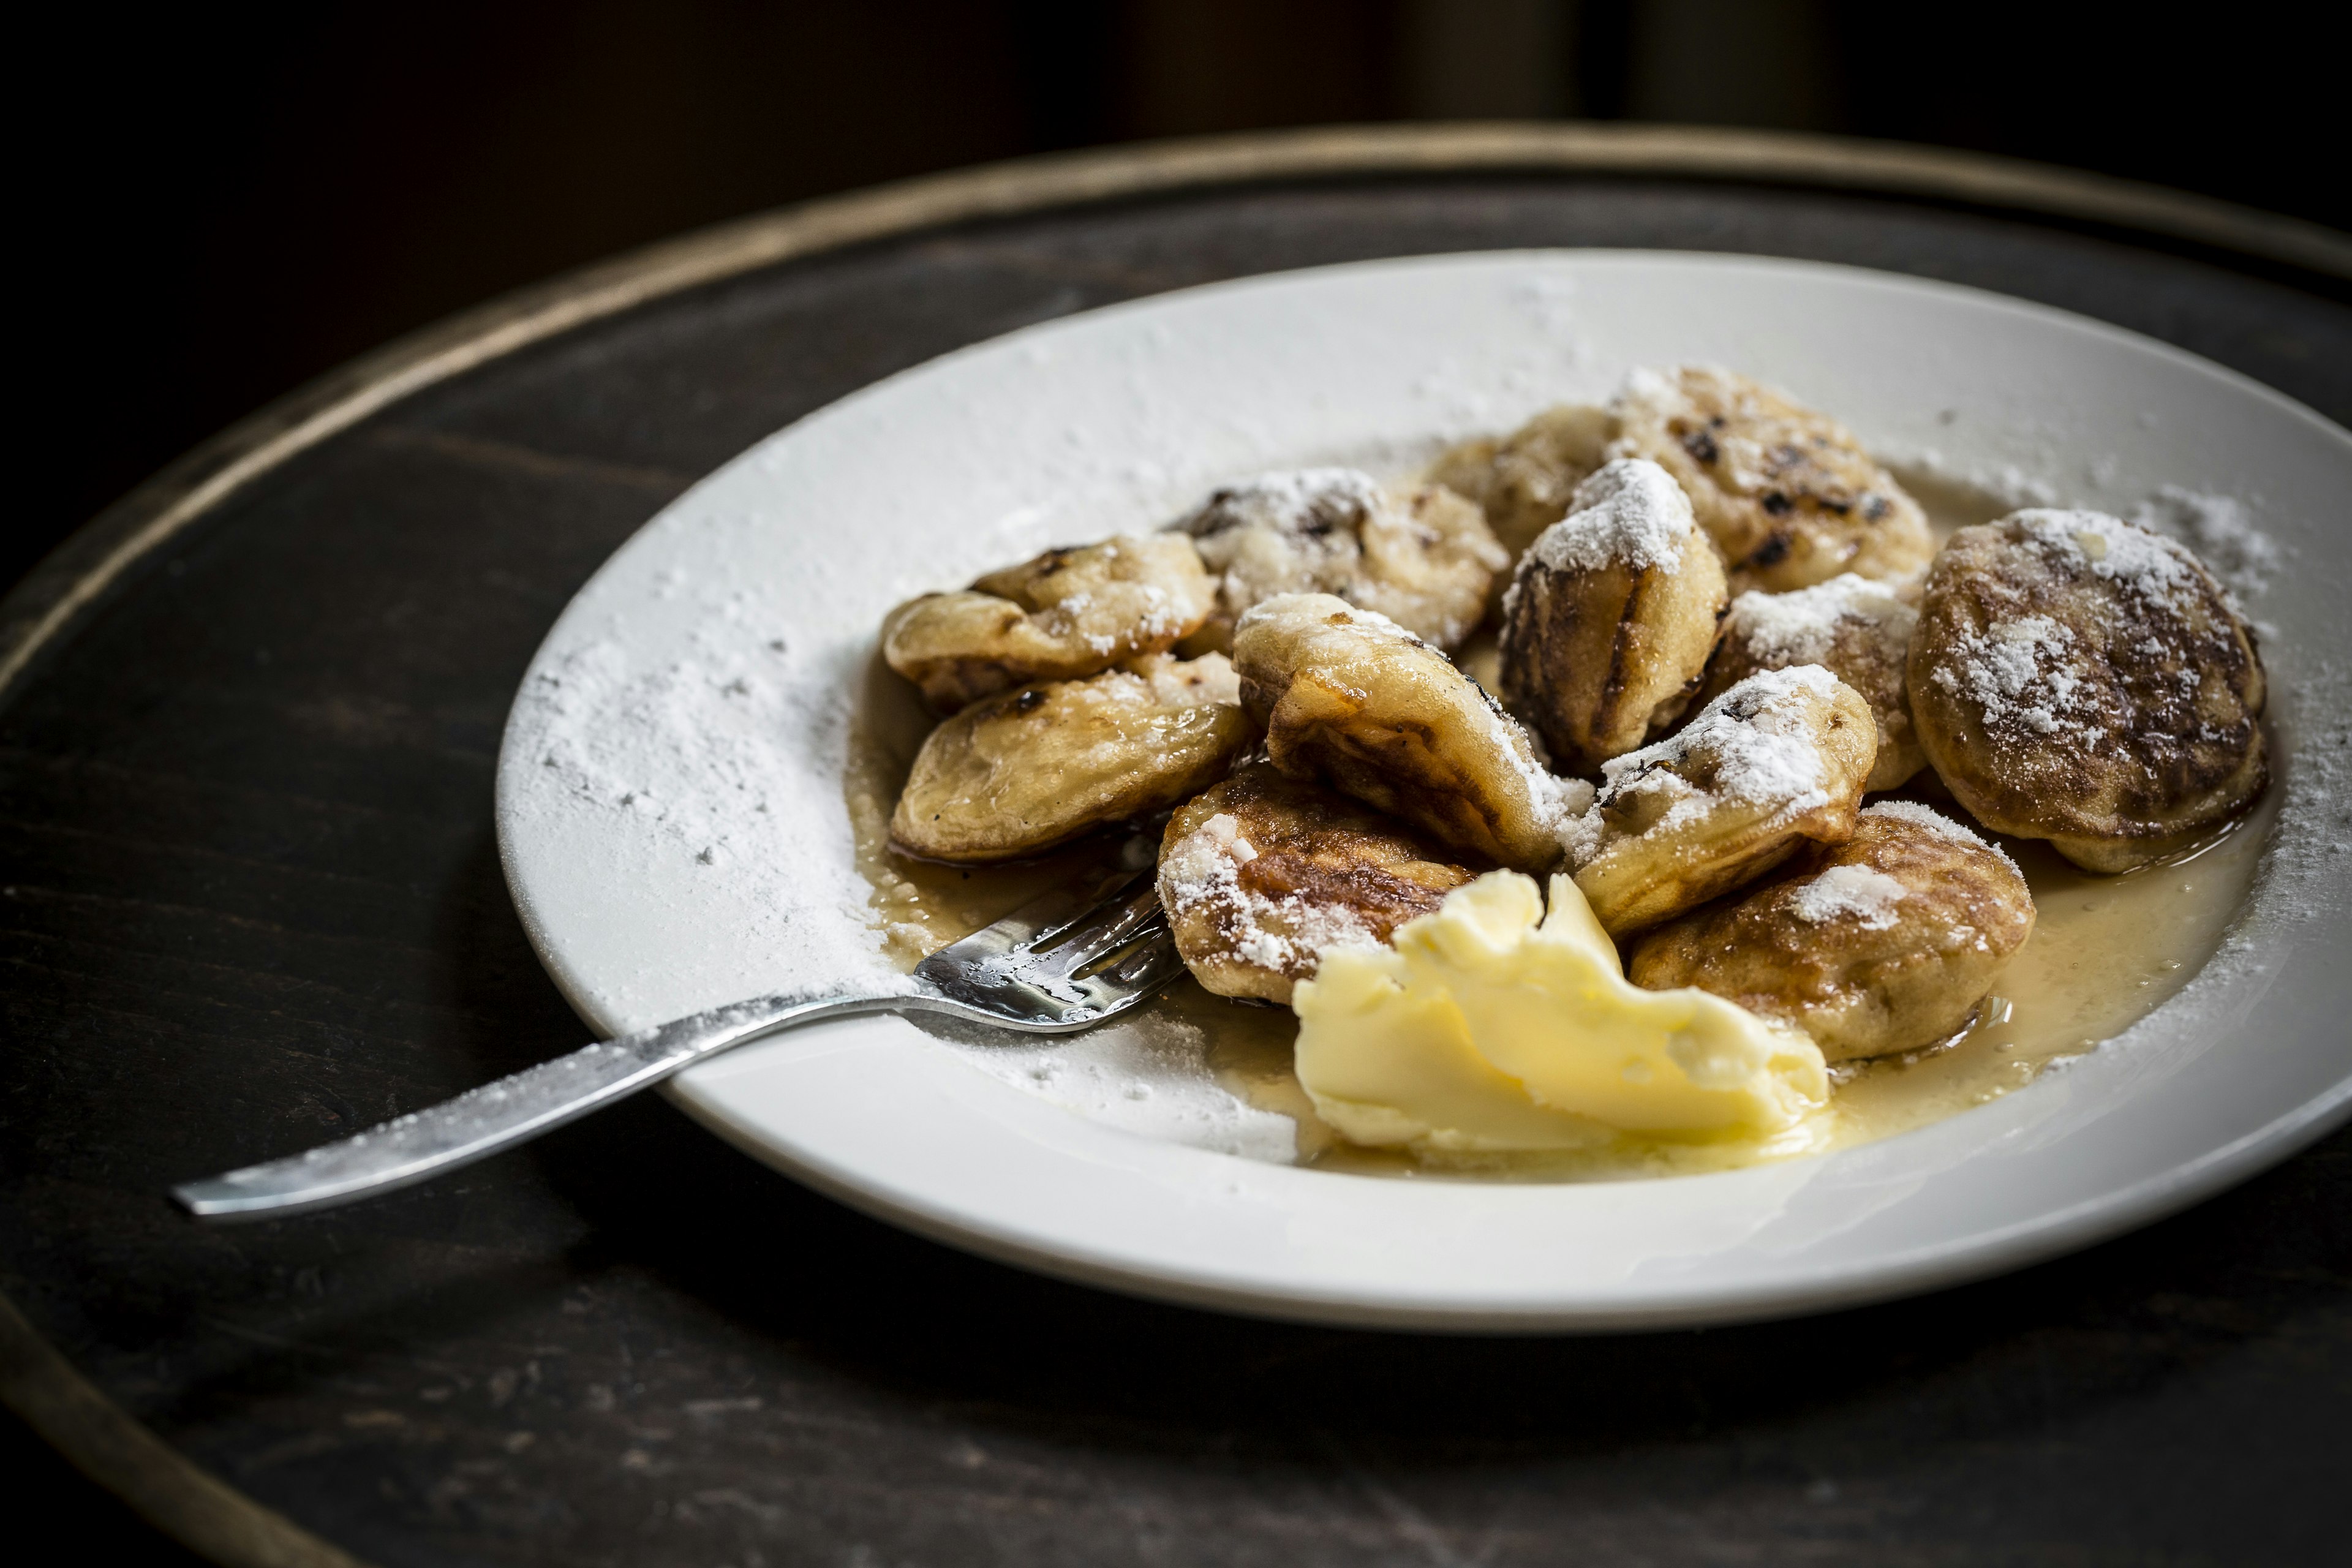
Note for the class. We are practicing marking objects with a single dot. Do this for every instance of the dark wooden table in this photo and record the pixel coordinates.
(251, 900)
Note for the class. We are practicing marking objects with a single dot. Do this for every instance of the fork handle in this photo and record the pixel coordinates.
(500, 1114)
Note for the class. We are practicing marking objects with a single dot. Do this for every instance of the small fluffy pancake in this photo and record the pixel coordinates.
(1884, 943)
(1610, 616)
(1777, 759)
(1264, 873)
(2078, 678)
(1352, 698)
(1858, 630)
(1065, 613)
(1788, 495)
(1425, 559)
(1021, 771)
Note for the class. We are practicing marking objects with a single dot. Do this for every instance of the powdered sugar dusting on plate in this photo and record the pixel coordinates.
(2310, 857)
(2221, 529)
(698, 764)
(1147, 1073)
(2006, 484)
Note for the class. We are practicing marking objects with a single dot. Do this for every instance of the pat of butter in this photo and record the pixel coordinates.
(1481, 1030)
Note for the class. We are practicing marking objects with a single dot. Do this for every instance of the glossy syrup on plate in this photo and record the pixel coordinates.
(2106, 951)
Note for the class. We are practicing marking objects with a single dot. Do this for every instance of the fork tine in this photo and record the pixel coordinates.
(1112, 924)
(1047, 918)
(1112, 960)
(1150, 965)
(1045, 968)
(1046, 922)
(1041, 920)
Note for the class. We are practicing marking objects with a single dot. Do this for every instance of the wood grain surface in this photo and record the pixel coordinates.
(249, 898)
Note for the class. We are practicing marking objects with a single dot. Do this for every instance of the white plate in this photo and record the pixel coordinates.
(671, 814)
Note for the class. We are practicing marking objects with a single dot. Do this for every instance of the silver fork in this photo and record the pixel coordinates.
(1067, 961)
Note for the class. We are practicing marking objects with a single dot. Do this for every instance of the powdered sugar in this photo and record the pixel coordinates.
(1562, 799)
(2006, 485)
(2221, 529)
(1202, 871)
(1148, 1073)
(1156, 616)
(1758, 736)
(1290, 500)
(1759, 749)
(2109, 549)
(1629, 514)
(1293, 529)
(696, 768)
(1857, 893)
(2310, 859)
(1558, 800)
(1358, 619)
(1933, 821)
(1205, 860)
(1646, 385)
(2016, 673)
(1802, 627)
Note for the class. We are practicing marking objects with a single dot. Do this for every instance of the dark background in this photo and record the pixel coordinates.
(225, 205)
(228, 202)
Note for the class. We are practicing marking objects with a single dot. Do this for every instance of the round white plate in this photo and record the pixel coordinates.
(671, 812)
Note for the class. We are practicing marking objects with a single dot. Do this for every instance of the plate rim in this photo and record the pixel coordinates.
(2058, 1234)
